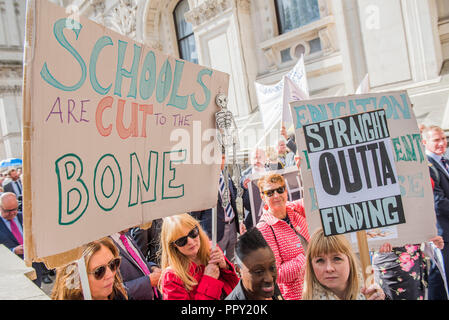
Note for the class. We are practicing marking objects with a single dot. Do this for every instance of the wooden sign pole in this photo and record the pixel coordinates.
(214, 227)
(364, 257)
(29, 253)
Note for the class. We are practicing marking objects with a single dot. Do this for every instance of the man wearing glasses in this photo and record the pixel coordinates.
(11, 230)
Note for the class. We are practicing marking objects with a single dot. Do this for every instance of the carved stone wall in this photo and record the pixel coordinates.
(12, 25)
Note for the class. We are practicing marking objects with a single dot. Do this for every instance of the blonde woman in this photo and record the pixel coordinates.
(332, 271)
(102, 262)
(192, 270)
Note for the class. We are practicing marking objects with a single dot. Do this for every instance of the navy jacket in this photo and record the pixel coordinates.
(6, 236)
(137, 284)
(9, 188)
(245, 198)
(441, 198)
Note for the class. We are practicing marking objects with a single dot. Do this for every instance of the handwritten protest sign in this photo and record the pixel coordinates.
(119, 134)
(365, 167)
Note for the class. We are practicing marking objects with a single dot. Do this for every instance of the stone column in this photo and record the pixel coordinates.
(10, 122)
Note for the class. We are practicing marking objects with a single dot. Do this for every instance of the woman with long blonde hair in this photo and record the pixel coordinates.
(102, 262)
(332, 271)
(192, 270)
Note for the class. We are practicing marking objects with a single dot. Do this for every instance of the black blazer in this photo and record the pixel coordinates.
(441, 198)
(9, 188)
(137, 284)
(149, 240)
(205, 216)
(245, 198)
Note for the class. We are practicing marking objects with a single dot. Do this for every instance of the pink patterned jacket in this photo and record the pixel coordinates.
(287, 248)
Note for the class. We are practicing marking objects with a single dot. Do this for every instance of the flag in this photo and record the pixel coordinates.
(363, 86)
(273, 100)
(291, 93)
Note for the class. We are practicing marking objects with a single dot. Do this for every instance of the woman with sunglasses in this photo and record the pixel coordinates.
(283, 225)
(192, 270)
(102, 263)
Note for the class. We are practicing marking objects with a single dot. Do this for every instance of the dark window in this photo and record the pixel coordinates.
(292, 14)
(315, 45)
(184, 33)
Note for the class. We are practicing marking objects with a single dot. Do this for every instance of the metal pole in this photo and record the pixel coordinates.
(214, 227)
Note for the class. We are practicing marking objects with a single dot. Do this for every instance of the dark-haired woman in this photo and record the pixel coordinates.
(256, 265)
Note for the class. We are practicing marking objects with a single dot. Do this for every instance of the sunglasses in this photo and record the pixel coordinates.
(100, 271)
(181, 242)
(10, 210)
(269, 193)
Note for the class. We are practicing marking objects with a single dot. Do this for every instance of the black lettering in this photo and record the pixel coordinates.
(387, 169)
(362, 151)
(330, 177)
(373, 147)
(356, 185)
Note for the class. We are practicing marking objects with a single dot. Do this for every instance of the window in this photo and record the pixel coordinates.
(292, 14)
(184, 33)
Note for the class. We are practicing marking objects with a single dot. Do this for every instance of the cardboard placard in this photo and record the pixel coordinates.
(116, 134)
(365, 168)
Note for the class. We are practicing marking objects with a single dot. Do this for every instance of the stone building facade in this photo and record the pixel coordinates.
(12, 25)
(401, 44)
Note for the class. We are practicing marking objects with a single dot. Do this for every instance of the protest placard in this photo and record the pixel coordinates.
(365, 168)
(116, 134)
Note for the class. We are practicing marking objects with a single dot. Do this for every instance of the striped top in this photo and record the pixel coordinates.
(287, 248)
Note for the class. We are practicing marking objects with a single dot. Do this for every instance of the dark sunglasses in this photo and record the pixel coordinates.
(100, 271)
(181, 242)
(269, 193)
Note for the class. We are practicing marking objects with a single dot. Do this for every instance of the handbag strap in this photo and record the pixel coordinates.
(274, 235)
(302, 239)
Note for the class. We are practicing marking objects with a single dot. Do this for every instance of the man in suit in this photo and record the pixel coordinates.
(15, 185)
(11, 231)
(227, 218)
(435, 142)
(140, 277)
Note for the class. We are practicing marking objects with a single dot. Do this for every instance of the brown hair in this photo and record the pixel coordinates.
(67, 285)
(320, 244)
(270, 178)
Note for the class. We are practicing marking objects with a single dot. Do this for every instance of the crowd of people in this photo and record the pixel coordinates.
(277, 259)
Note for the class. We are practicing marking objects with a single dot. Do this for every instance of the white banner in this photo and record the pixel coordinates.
(274, 99)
